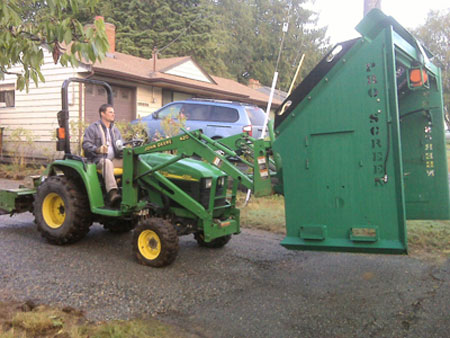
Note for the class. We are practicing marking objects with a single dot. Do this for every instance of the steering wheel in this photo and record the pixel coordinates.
(134, 143)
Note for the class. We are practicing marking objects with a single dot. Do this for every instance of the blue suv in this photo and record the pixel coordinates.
(216, 118)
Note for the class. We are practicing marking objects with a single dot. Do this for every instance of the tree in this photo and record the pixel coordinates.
(173, 27)
(252, 32)
(231, 38)
(435, 35)
(28, 26)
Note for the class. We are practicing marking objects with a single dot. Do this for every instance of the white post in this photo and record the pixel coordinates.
(269, 104)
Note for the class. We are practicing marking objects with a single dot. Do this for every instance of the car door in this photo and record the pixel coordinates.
(223, 122)
(196, 115)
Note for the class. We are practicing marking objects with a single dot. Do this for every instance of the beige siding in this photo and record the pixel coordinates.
(149, 99)
(36, 109)
(189, 70)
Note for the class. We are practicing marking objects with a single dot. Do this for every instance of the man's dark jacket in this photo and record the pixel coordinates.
(92, 140)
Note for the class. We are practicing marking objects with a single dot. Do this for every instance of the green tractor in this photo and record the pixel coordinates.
(163, 197)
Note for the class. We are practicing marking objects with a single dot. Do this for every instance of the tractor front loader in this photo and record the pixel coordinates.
(356, 149)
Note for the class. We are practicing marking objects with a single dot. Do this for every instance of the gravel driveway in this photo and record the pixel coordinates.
(253, 287)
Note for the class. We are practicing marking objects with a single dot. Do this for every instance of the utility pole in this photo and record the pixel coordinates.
(371, 4)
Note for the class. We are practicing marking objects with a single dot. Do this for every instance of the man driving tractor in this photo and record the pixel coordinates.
(100, 145)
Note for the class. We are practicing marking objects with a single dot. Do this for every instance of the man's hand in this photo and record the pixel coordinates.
(102, 149)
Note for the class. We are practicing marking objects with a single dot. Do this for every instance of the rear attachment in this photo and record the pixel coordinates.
(362, 144)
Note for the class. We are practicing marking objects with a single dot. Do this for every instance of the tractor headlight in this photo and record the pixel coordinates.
(207, 183)
(221, 181)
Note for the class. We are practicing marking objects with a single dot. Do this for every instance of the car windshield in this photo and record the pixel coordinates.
(256, 115)
(172, 110)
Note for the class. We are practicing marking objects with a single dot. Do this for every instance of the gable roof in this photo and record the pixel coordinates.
(143, 70)
(176, 67)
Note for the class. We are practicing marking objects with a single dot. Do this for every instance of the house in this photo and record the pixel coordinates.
(140, 86)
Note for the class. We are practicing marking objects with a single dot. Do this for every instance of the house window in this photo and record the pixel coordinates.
(7, 96)
(101, 91)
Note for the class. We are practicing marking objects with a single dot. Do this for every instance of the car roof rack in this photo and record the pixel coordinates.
(220, 101)
(208, 100)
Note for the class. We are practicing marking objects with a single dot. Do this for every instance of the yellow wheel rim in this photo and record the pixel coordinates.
(149, 244)
(53, 210)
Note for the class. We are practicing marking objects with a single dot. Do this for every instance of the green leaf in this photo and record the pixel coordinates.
(68, 36)
(20, 82)
(34, 77)
(94, 49)
(89, 33)
(79, 26)
(63, 60)
(100, 25)
(91, 54)
(74, 6)
(41, 77)
(61, 32)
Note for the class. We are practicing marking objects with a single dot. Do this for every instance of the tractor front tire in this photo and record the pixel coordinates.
(155, 242)
(61, 211)
(214, 244)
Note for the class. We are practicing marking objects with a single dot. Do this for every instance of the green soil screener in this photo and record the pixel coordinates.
(356, 149)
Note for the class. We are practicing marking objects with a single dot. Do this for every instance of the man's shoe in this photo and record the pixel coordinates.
(114, 198)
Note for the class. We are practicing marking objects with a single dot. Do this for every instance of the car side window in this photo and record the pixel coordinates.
(224, 114)
(196, 112)
(256, 115)
(172, 110)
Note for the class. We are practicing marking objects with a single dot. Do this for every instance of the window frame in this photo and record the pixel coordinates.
(5, 89)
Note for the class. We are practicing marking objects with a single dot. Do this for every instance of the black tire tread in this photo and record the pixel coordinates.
(169, 241)
(78, 204)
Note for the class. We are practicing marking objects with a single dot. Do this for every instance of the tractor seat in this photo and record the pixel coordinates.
(117, 171)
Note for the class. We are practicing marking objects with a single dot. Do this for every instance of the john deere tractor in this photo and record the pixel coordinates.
(163, 195)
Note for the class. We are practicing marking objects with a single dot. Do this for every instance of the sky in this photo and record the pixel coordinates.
(341, 17)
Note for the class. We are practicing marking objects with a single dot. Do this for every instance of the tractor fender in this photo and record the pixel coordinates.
(86, 174)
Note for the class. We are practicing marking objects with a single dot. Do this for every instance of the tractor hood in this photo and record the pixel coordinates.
(186, 169)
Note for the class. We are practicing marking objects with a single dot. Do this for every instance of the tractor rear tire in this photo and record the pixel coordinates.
(214, 244)
(61, 211)
(155, 242)
(119, 225)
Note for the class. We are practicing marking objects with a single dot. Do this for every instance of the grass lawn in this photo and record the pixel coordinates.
(28, 320)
